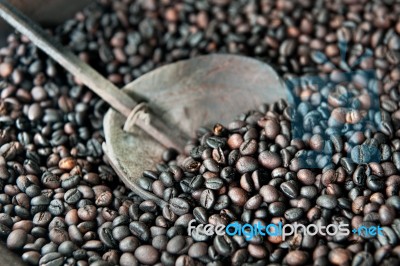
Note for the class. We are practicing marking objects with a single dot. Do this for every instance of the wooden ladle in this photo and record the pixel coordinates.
(164, 107)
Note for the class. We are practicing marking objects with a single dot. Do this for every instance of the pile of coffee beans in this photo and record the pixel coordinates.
(328, 155)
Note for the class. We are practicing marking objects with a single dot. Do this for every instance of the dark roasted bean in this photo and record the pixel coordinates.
(140, 230)
(269, 193)
(179, 206)
(207, 199)
(327, 201)
(147, 254)
(269, 160)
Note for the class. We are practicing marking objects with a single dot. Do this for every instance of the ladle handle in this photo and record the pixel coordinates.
(86, 74)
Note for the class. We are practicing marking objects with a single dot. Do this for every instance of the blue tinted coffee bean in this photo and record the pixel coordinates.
(185, 186)
(347, 164)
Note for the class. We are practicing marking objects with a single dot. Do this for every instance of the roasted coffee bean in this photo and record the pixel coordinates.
(339, 256)
(200, 214)
(246, 164)
(16, 239)
(147, 254)
(31, 257)
(269, 160)
(222, 202)
(277, 208)
(147, 206)
(58, 235)
(248, 147)
(327, 201)
(290, 189)
(167, 179)
(93, 245)
(224, 245)
(140, 230)
(104, 199)
(363, 258)
(41, 218)
(386, 214)
(71, 182)
(269, 193)
(306, 176)
(106, 235)
(191, 165)
(238, 196)
(293, 214)
(214, 183)
(52, 258)
(179, 206)
(176, 244)
(67, 248)
(129, 244)
(207, 199)
(72, 196)
(309, 192)
(296, 257)
(215, 142)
